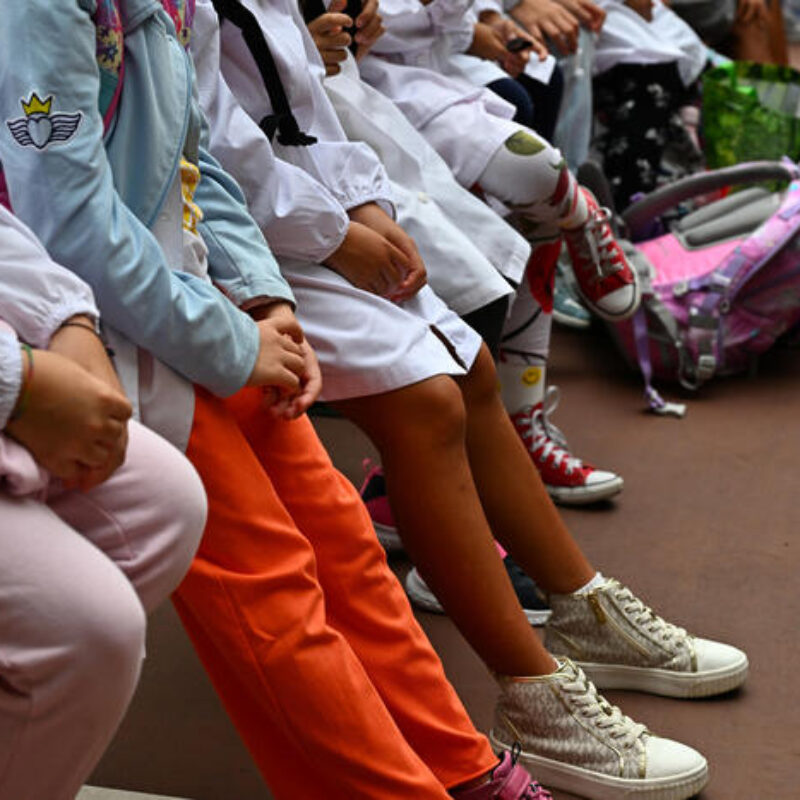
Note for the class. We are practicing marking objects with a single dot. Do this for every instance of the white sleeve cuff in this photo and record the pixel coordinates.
(10, 372)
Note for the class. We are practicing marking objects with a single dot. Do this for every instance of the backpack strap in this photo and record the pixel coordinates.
(655, 401)
(110, 55)
(282, 119)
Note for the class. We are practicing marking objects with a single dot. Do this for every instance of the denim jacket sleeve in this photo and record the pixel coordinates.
(63, 188)
(239, 258)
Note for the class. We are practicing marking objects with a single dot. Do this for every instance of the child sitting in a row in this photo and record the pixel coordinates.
(455, 470)
(92, 537)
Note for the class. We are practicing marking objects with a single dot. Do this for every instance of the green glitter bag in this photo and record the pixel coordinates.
(750, 112)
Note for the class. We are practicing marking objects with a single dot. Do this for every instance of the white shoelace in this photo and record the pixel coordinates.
(599, 712)
(599, 240)
(547, 438)
(644, 617)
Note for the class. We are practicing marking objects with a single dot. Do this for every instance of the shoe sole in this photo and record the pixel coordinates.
(667, 682)
(620, 317)
(571, 322)
(387, 536)
(423, 598)
(583, 495)
(586, 783)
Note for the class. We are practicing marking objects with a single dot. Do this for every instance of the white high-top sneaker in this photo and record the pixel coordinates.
(622, 644)
(573, 739)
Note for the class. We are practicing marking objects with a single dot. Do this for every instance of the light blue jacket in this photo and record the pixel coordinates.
(91, 197)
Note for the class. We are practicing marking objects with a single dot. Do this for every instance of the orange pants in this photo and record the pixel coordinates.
(305, 632)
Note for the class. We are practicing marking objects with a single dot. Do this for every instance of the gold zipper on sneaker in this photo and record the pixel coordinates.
(599, 611)
(604, 618)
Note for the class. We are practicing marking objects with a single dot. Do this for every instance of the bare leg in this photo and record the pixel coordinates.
(521, 514)
(420, 431)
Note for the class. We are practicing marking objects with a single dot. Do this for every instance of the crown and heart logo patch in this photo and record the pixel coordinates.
(39, 127)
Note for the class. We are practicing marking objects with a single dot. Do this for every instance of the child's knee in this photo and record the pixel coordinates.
(481, 384)
(443, 415)
(526, 170)
(90, 638)
(176, 519)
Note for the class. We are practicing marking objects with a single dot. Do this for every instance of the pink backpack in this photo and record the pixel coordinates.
(722, 286)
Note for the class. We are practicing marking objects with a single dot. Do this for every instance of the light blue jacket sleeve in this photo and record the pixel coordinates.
(239, 258)
(63, 189)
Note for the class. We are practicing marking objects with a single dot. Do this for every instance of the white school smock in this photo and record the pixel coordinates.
(365, 344)
(412, 64)
(628, 38)
(463, 268)
(349, 171)
(465, 245)
(481, 71)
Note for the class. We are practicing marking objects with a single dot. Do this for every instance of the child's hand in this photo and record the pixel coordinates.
(369, 261)
(281, 359)
(753, 11)
(331, 37)
(644, 8)
(514, 63)
(291, 407)
(415, 275)
(73, 423)
(487, 43)
(369, 27)
(546, 19)
(588, 13)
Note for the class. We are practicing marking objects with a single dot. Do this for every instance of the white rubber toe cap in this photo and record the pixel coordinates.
(716, 656)
(620, 303)
(601, 477)
(667, 759)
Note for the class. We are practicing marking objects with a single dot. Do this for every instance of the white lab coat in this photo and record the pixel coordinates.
(466, 246)
(365, 344)
(414, 64)
(481, 72)
(299, 195)
(628, 38)
(463, 244)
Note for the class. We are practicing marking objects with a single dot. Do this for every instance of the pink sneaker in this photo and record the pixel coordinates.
(607, 282)
(373, 495)
(567, 479)
(508, 781)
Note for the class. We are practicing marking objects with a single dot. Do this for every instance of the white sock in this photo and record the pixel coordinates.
(521, 385)
(594, 583)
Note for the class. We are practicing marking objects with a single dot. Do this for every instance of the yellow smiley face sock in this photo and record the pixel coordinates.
(521, 385)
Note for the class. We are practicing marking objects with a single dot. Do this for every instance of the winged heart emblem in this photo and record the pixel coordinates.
(39, 128)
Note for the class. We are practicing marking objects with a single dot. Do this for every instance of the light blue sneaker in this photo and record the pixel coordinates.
(568, 309)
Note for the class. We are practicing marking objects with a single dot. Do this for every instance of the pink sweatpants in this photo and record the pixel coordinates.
(78, 571)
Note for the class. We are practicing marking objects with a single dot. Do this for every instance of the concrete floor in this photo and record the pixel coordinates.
(706, 530)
